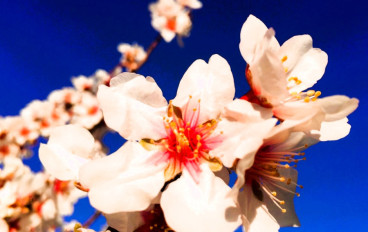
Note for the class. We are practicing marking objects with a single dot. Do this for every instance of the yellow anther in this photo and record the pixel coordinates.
(221, 132)
(199, 100)
(283, 210)
(288, 181)
(306, 99)
(294, 94)
(297, 194)
(199, 144)
(152, 141)
(151, 227)
(286, 166)
(194, 109)
(317, 94)
(286, 69)
(301, 186)
(282, 202)
(178, 148)
(284, 59)
(282, 179)
(190, 96)
(310, 93)
(274, 194)
(152, 211)
(198, 137)
(209, 124)
(181, 129)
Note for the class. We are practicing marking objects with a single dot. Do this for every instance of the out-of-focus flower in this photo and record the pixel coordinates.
(62, 157)
(87, 112)
(82, 83)
(279, 75)
(132, 55)
(170, 19)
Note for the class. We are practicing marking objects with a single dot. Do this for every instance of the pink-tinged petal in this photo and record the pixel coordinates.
(303, 61)
(69, 147)
(251, 35)
(241, 132)
(212, 83)
(60, 163)
(304, 116)
(240, 110)
(133, 106)
(334, 130)
(296, 141)
(337, 107)
(124, 181)
(74, 139)
(268, 77)
(205, 206)
(124, 221)
(256, 216)
(289, 218)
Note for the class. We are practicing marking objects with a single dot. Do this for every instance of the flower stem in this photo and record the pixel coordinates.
(91, 219)
(150, 49)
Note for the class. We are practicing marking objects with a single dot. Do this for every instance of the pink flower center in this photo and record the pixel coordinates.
(187, 143)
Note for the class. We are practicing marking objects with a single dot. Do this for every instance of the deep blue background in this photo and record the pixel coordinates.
(44, 43)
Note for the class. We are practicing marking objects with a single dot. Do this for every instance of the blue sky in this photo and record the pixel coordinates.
(44, 43)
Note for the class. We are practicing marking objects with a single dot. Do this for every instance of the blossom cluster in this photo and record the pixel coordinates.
(173, 171)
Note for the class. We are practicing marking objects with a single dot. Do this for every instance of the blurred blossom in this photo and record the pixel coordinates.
(132, 55)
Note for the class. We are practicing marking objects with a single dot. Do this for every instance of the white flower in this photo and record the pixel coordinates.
(191, 135)
(87, 112)
(82, 83)
(132, 55)
(170, 18)
(62, 156)
(279, 75)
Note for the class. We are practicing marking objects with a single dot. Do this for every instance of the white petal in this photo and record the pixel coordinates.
(123, 182)
(3, 225)
(251, 34)
(303, 61)
(59, 162)
(332, 130)
(74, 139)
(212, 83)
(133, 106)
(240, 110)
(303, 116)
(241, 133)
(289, 218)
(257, 218)
(338, 106)
(268, 79)
(203, 207)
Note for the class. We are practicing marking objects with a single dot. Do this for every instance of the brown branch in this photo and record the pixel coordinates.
(150, 49)
(91, 219)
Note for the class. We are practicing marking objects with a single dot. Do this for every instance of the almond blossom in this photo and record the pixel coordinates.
(171, 18)
(132, 55)
(278, 75)
(194, 135)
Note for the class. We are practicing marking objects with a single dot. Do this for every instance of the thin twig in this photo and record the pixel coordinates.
(150, 49)
(91, 219)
